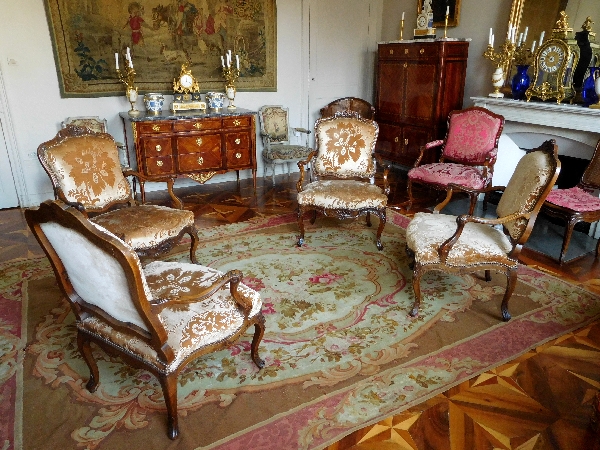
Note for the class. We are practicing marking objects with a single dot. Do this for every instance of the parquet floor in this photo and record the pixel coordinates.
(542, 400)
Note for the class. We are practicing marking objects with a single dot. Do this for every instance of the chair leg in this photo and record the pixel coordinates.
(488, 276)
(194, 235)
(83, 343)
(368, 219)
(597, 247)
(414, 311)
(472, 204)
(313, 218)
(301, 227)
(169, 386)
(259, 331)
(567, 239)
(411, 257)
(273, 169)
(410, 195)
(382, 220)
(511, 282)
(486, 197)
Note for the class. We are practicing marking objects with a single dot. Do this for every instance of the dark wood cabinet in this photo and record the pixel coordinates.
(195, 145)
(418, 84)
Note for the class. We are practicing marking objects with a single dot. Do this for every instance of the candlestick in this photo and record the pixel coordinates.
(501, 59)
(127, 77)
(402, 30)
(446, 22)
(230, 74)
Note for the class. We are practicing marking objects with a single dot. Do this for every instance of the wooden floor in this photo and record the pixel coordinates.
(542, 400)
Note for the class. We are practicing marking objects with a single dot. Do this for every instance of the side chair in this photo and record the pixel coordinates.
(85, 172)
(158, 318)
(467, 244)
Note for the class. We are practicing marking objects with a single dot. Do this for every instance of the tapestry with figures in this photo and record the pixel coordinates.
(89, 36)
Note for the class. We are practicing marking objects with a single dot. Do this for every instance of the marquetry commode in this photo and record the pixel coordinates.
(191, 144)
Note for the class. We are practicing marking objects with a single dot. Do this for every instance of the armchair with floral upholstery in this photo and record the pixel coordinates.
(85, 172)
(466, 243)
(277, 133)
(577, 204)
(362, 107)
(344, 167)
(468, 154)
(158, 318)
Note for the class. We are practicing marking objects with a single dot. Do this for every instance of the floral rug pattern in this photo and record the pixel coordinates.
(336, 320)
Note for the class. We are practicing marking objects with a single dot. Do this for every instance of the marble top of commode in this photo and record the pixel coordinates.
(183, 115)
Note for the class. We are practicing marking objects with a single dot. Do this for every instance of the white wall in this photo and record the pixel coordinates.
(476, 19)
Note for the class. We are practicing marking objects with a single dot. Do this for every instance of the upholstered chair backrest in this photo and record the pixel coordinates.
(92, 123)
(274, 122)
(345, 146)
(85, 166)
(473, 135)
(591, 176)
(528, 186)
(362, 107)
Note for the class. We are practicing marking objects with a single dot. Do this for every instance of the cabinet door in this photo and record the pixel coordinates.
(389, 141)
(199, 152)
(420, 92)
(413, 138)
(237, 147)
(390, 92)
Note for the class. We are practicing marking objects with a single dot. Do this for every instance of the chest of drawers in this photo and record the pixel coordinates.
(194, 145)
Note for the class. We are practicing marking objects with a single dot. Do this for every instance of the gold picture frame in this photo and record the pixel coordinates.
(439, 12)
(161, 35)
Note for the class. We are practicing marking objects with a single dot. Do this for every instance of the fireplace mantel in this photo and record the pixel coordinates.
(578, 126)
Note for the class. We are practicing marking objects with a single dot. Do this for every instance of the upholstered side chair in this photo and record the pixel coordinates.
(577, 204)
(362, 107)
(467, 243)
(85, 172)
(468, 154)
(158, 318)
(344, 168)
(277, 136)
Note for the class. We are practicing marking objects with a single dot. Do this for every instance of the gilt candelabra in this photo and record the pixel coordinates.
(127, 77)
(230, 74)
(501, 59)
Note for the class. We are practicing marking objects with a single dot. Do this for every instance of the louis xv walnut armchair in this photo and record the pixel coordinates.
(344, 168)
(362, 107)
(158, 318)
(467, 243)
(85, 172)
(468, 154)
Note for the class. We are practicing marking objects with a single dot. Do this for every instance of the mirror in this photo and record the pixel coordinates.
(541, 16)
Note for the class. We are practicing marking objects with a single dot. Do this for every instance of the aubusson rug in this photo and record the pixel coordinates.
(341, 351)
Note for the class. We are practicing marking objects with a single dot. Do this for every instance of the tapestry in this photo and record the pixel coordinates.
(340, 349)
(161, 35)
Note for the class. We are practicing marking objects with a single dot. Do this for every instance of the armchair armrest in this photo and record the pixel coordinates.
(301, 165)
(451, 188)
(233, 277)
(302, 130)
(427, 147)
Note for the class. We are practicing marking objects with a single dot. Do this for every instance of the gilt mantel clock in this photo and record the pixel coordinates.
(186, 92)
(553, 72)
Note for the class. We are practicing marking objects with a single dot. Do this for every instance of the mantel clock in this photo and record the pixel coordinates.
(553, 72)
(186, 92)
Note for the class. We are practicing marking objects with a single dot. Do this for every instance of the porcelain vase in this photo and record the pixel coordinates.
(520, 82)
(588, 89)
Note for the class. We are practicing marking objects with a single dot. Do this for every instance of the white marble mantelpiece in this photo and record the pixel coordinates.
(529, 122)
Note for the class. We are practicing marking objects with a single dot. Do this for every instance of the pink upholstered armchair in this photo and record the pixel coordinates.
(577, 204)
(467, 244)
(344, 169)
(468, 154)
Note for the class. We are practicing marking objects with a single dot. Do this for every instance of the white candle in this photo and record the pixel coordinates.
(542, 37)
(447, 10)
(492, 40)
(402, 15)
(228, 60)
(237, 61)
(222, 61)
(525, 34)
(520, 39)
(533, 46)
(117, 61)
(490, 37)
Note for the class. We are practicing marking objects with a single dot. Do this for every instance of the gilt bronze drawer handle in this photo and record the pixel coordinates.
(405, 141)
(406, 51)
(237, 123)
(199, 141)
(422, 51)
(158, 148)
(159, 163)
(237, 141)
(405, 65)
(396, 139)
(201, 160)
(197, 125)
(391, 51)
(156, 127)
(238, 155)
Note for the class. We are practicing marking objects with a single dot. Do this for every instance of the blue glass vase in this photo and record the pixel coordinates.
(588, 88)
(520, 82)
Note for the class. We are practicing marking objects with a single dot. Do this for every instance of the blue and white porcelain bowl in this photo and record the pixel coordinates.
(154, 102)
(215, 100)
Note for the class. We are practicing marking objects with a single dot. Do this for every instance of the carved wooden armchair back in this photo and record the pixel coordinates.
(362, 107)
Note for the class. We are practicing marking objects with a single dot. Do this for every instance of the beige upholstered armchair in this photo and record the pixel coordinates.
(362, 107)
(277, 138)
(467, 243)
(344, 168)
(85, 172)
(158, 318)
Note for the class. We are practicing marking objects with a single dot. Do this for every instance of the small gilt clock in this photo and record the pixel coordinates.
(553, 72)
(186, 92)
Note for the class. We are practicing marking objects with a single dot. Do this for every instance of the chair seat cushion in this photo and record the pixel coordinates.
(342, 194)
(190, 327)
(477, 244)
(145, 226)
(445, 173)
(286, 152)
(574, 198)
